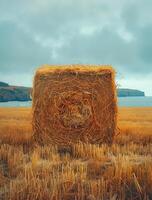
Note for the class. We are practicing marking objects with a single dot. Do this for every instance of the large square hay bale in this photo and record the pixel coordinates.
(74, 103)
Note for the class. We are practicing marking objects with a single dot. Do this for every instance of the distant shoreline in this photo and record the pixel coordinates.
(30, 100)
(145, 101)
(21, 93)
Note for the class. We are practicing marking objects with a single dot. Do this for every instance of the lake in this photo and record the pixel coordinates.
(122, 101)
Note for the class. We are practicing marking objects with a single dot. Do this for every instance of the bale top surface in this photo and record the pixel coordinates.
(75, 68)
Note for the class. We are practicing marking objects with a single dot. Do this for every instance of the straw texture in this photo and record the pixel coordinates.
(74, 103)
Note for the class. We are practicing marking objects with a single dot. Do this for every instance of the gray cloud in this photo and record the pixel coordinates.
(19, 51)
(34, 32)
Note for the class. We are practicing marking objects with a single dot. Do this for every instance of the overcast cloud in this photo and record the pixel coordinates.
(35, 32)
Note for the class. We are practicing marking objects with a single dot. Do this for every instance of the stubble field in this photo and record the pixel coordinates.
(87, 172)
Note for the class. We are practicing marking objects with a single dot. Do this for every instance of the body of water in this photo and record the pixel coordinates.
(122, 101)
(16, 104)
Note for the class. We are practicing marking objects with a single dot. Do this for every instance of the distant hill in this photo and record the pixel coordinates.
(129, 92)
(14, 93)
(20, 93)
(2, 84)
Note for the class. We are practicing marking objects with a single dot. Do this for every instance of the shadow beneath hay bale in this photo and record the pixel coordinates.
(62, 150)
(4, 169)
(28, 148)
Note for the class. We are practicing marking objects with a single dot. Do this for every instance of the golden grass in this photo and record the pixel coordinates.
(15, 126)
(87, 172)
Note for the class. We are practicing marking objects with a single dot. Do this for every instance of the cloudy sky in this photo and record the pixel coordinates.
(116, 32)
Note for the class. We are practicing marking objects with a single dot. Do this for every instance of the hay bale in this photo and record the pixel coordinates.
(74, 103)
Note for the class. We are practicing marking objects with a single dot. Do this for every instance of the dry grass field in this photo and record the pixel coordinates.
(86, 172)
